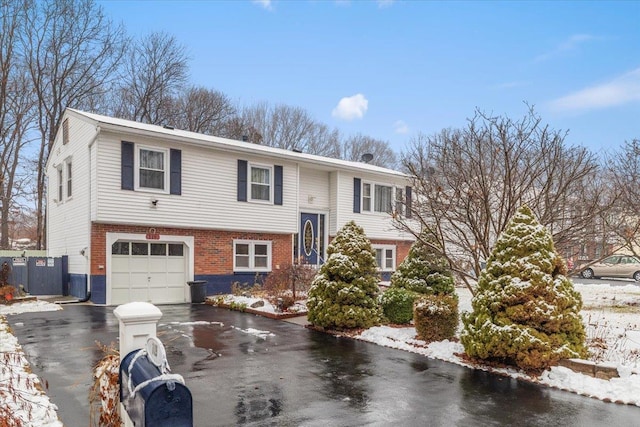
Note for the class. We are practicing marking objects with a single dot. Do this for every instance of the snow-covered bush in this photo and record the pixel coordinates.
(525, 310)
(436, 317)
(397, 304)
(424, 270)
(344, 294)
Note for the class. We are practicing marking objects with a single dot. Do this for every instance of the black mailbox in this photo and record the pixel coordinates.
(151, 395)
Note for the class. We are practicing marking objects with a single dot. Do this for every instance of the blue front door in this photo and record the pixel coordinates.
(311, 240)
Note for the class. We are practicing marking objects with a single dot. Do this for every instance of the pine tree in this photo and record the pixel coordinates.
(424, 270)
(344, 293)
(525, 311)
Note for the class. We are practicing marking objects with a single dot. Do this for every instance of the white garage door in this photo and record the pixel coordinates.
(151, 272)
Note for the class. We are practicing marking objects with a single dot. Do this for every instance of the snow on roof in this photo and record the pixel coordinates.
(234, 145)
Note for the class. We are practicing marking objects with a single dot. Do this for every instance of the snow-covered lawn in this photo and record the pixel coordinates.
(611, 314)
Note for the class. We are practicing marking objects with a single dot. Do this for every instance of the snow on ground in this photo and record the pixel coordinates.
(611, 315)
(21, 393)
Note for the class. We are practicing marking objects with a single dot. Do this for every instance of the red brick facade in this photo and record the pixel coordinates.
(213, 249)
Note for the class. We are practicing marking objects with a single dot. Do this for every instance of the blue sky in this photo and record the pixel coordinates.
(391, 69)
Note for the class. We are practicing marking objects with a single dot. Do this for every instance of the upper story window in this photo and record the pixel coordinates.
(60, 183)
(69, 178)
(400, 201)
(385, 257)
(377, 197)
(251, 255)
(261, 183)
(383, 198)
(152, 169)
(366, 197)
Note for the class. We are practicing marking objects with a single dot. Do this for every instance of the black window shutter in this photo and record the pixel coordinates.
(407, 202)
(175, 177)
(277, 195)
(126, 165)
(356, 195)
(242, 180)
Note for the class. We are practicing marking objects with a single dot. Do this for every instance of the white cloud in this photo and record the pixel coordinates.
(401, 127)
(569, 44)
(621, 90)
(266, 4)
(352, 107)
(385, 3)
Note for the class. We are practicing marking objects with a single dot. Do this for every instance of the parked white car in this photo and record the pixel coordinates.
(614, 266)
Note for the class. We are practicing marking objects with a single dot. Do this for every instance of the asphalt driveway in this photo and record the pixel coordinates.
(245, 369)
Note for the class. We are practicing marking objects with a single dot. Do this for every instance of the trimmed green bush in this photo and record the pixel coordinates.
(525, 310)
(436, 317)
(397, 304)
(424, 270)
(344, 293)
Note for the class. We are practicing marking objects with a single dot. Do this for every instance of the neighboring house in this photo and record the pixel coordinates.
(141, 209)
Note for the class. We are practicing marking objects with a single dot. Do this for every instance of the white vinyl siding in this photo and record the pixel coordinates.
(314, 190)
(377, 225)
(251, 255)
(209, 192)
(71, 233)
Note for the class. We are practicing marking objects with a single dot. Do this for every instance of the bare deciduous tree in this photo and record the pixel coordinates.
(154, 72)
(469, 182)
(16, 108)
(354, 148)
(201, 110)
(71, 50)
(623, 169)
(290, 128)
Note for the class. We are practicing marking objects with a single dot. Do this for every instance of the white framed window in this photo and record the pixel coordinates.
(152, 173)
(251, 255)
(377, 197)
(69, 178)
(385, 257)
(260, 183)
(60, 183)
(400, 201)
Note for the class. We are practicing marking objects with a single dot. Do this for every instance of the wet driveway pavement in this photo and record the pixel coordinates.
(292, 376)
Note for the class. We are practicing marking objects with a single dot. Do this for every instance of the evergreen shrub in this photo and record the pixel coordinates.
(344, 293)
(525, 310)
(436, 317)
(397, 305)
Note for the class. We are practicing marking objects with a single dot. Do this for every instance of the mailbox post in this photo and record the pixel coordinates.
(138, 322)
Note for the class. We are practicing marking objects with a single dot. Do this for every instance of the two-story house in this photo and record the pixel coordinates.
(141, 209)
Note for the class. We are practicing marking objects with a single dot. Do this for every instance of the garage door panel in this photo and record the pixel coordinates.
(120, 280)
(175, 294)
(139, 265)
(119, 263)
(120, 296)
(156, 278)
(175, 265)
(157, 264)
(139, 294)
